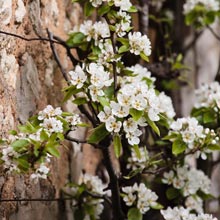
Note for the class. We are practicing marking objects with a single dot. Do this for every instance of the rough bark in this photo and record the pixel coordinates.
(29, 80)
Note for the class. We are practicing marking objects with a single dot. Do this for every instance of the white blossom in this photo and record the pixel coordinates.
(140, 196)
(139, 43)
(52, 125)
(135, 162)
(208, 95)
(119, 110)
(112, 125)
(40, 173)
(78, 77)
(124, 5)
(104, 115)
(49, 112)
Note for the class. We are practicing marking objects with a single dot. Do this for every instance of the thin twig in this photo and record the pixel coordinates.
(68, 50)
(75, 140)
(29, 39)
(192, 43)
(213, 32)
(96, 196)
(56, 57)
(34, 200)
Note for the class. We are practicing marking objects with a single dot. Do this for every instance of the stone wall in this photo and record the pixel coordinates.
(29, 80)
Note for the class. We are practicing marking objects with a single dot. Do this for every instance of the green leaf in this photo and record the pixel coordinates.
(136, 114)
(123, 40)
(60, 136)
(28, 127)
(137, 151)
(88, 8)
(170, 136)
(213, 147)
(65, 114)
(13, 132)
(117, 145)
(98, 134)
(172, 193)
(144, 56)
(51, 147)
(133, 173)
(75, 39)
(157, 206)
(80, 101)
(209, 117)
(134, 214)
(43, 135)
(104, 101)
(152, 125)
(22, 162)
(178, 147)
(209, 17)
(20, 144)
(132, 9)
(70, 92)
(2, 141)
(104, 9)
(123, 48)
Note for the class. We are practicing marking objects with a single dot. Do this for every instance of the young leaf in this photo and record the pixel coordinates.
(80, 101)
(137, 151)
(70, 92)
(103, 10)
(144, 56)
(23, 163)
(13, 132)
(213, 147)
(123, 48)
(104, 101)
(51, 147)
(172, 193)
(117, 145)
(134, 214)
(98, 134)
(43, 135)
(152, 125)
(136, 114)
(88, 8)
(19, 144)
(178, 147)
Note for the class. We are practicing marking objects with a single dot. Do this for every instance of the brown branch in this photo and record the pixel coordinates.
(192, 43)
(213, 32)
(56, 57)
(113, 184)
(29, 39)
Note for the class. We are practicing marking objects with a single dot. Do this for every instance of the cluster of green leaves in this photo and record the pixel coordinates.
(200, 16)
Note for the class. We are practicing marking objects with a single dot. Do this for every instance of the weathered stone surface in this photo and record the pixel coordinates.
(29, 80)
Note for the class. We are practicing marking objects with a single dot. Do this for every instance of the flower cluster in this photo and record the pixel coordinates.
(136, 93)
(180, 213)
(189, 181)
(37, 141)
(192, 136)
(139, 196)
(208, 95)
(210, 5)
(52, 120)
(40, 173)
(90, 185)
(139, 43)
(136, 161)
